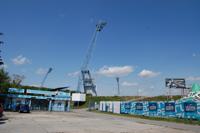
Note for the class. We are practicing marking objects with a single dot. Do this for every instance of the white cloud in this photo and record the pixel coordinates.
(20, 60)
(148, 74)
(191, 78)
(194, 54)
(41, 71)
(74, 74)
(129, 84)
(115, 71)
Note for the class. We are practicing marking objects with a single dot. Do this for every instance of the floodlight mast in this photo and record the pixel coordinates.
(99, 27)
(1, 42)
(118, 89)
(84, 68)
(45, 77)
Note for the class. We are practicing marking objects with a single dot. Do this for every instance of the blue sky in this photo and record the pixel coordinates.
(144, 42)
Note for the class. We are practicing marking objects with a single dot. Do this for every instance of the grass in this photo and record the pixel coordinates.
(175, 120)
(92, 99)
(160, 98)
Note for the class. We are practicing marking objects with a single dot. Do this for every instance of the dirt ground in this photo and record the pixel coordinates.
(81, 121)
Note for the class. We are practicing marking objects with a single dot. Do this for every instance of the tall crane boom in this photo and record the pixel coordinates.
(85, 75)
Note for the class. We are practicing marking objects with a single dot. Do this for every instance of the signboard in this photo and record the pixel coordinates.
(153, 106)
(169, 107)
(190, 107)
(175, 83)
(41, 92)
(78, 97)
(49, 93)
(15, 90)
(139, 106)
(61, 94)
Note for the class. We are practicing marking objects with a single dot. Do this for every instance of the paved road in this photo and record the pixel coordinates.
(81, 121)
(186, 127)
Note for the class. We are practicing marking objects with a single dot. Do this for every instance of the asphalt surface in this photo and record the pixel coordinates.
(81, 121)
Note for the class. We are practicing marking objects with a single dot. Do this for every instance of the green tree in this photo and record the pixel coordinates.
(4, 77)
(17, 79)
(4, 81)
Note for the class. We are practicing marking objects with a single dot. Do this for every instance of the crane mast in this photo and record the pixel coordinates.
(85, 76)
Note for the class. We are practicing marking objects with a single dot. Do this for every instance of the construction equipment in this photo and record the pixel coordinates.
(45, 77)
(85, 76)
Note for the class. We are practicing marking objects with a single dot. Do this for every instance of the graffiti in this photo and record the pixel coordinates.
(139, 106)
(187, 107)
(169, 107)
(190, 107)
(153, 106)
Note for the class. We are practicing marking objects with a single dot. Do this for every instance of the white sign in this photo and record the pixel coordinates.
(78, 97)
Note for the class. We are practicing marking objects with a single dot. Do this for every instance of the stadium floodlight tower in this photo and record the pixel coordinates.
(45, 77)
(85, 77)
(1, 42)
(118, 89)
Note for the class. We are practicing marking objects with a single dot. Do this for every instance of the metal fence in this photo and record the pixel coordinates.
(189, 109)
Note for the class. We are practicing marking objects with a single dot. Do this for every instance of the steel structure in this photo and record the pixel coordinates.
(118, 90)
(85, 77)
(1, 60)
(45, 77)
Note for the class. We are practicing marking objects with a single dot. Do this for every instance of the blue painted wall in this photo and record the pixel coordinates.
(189, 109)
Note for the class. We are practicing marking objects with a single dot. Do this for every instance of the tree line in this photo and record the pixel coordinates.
(14, 81)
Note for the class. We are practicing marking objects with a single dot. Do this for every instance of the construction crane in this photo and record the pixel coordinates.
(85, 76)
(45, 77)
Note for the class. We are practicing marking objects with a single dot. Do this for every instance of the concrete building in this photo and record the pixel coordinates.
(37, 100)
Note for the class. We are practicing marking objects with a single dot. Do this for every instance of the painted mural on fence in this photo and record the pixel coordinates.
(187, 107)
